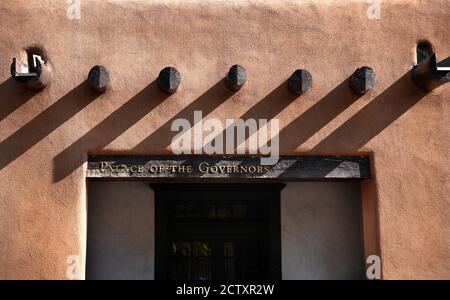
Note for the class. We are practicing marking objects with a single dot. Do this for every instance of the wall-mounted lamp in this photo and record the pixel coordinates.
(35, 73)
(300, 81)
(169, 80)
(236, 78)
(98, 78)
(429, 74)
(363, 80)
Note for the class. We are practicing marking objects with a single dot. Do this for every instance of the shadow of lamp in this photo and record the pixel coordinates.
(429, 74)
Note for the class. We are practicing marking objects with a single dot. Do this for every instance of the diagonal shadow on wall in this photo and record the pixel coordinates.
(206, 103)
(107, 130)
(272, 104)
(374, 117)
(317, 116)
(46, 122)
(12, 96)
(267, 108)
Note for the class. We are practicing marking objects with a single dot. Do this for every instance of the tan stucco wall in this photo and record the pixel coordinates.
(321, 235)
(121, 231)
(45, 137)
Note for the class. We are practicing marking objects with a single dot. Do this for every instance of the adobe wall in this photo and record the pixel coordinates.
(321, 231)
(45, 137)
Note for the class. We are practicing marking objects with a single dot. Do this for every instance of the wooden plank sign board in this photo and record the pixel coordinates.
(288, 168)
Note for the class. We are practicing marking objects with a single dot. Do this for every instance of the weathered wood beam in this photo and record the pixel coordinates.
(288, 168)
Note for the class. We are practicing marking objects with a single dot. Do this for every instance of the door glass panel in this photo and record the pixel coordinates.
(239, 211)
(223, 211)
(192, 210)
(216, 239)
(191, 260)
(229, 261)
(211, 210)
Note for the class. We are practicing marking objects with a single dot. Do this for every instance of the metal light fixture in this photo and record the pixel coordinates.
(35, 73)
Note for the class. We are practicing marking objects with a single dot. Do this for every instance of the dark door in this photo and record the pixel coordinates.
(217, 232)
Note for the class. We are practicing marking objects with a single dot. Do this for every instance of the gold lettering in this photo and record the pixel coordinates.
(181, 169)
(103, 166)
(203, 167)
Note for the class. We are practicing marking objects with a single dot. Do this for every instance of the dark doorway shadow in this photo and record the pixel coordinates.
(12, 96)
(206, 103)
(317, 116)
(374, 117)
(107, 130)
(46, 122)
(267, 108)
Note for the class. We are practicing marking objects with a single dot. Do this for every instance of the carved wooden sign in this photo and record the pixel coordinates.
(288, 168)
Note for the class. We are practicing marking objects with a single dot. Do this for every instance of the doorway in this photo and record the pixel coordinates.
(217, 231)
(131, 231)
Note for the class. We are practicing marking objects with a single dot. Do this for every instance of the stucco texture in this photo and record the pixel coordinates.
(121, 231)
(321, 231)
(45, 137)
